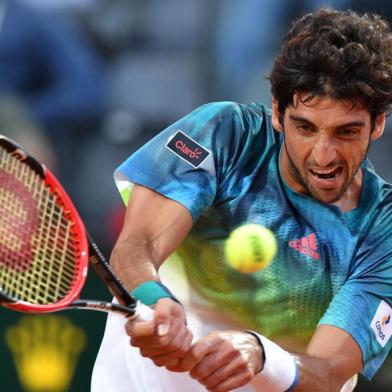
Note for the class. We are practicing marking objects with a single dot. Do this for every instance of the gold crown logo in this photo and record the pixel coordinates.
(45, 350)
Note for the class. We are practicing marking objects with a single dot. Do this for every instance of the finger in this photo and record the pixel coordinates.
(233, 382)
(157, 342)
(167, 306)
(136, 328)
(183, 340)
(171, 359)
(230, 369)
(156, 346)
(157, 351)
(163, 328)
(219, 359)
(174, 366)
(152, 342)
(165, 310)
(179, 351)
(197, 353)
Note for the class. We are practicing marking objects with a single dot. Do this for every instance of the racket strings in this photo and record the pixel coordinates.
(37, 246)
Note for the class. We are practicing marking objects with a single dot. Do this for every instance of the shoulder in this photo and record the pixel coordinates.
(380, 193)
(382, 218)
(227, 110)
(374, 249)
(231, 120)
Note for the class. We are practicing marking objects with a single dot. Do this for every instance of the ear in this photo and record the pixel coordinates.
(275, 116)
(379, 127)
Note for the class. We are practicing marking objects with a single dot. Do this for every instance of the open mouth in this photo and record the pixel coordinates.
(327, 175)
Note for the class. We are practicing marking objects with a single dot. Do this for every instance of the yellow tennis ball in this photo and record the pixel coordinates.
(250, 247)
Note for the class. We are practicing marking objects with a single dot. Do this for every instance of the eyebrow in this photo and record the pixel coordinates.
(357, 123)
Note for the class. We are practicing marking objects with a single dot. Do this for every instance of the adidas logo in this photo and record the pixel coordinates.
(306, 246)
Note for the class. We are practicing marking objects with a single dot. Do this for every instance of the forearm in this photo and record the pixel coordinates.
(154, 227)
(331, 359)
(132, 262)
(317, 374)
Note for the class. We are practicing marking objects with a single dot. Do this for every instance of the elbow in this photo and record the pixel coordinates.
(340, 380)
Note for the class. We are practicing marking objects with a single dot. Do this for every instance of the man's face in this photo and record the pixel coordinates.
(325, 142)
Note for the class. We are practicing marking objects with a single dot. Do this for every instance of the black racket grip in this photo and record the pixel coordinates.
(106, 273)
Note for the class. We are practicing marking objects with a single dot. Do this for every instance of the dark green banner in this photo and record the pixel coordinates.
(53, 352)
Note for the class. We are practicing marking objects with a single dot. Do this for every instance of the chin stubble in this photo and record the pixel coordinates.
(296, 174)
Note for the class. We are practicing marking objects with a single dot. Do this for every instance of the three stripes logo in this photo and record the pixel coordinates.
(306, 246)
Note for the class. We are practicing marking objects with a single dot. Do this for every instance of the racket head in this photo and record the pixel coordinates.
(43, 242)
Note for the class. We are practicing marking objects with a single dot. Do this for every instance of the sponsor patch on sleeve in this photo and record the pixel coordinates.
(382, 323)
(187, 149)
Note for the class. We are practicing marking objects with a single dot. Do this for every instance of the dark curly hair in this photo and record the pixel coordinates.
(337, 53)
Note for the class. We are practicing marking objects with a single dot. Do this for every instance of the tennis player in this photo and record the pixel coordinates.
(321, 312)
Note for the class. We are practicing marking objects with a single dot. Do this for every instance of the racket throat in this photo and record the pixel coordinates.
(102, 306)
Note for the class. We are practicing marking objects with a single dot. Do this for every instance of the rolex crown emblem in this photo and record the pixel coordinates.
(45, 350)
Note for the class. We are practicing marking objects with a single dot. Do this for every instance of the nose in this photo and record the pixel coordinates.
(324, 151)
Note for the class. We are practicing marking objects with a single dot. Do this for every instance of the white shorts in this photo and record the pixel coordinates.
(120, 368)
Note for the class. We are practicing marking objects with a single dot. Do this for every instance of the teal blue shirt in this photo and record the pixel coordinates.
(221, 163)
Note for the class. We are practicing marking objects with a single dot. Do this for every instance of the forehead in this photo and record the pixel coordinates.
(327, 110)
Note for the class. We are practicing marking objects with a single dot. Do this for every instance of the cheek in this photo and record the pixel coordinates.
(355, 153)
(298, 150)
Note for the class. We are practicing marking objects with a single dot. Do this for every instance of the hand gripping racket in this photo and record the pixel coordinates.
(44, 247)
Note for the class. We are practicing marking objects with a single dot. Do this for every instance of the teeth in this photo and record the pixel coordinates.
(325, 174)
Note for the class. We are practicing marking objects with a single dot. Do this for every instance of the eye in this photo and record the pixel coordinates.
(348, 132)
(303, 127)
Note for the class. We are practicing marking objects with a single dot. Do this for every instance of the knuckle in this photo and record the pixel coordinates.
(129, 329)
(209, 382)
(248, 377)
(241, 366)
(143, 353)
(164, 341)
(134, 342)
(228, 354)
(188, 338)
(211, 341)
(194, 373)
(195, 354)
(202, 381)
(158, 363)
(172, 362)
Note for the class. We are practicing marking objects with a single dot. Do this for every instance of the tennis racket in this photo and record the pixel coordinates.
(44, 247)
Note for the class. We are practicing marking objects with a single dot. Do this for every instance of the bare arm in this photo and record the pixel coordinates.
(225, 360)
(332, 357)
(154, 226)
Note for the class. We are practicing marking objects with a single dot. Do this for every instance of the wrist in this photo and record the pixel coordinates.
(261, 353)
(279, 372)
(150, 292)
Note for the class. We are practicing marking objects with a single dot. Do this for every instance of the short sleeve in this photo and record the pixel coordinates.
(187, 160)
(362, 307)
